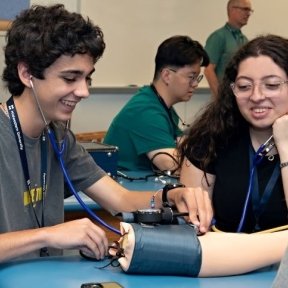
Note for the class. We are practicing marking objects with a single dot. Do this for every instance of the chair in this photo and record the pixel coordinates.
(97, 136)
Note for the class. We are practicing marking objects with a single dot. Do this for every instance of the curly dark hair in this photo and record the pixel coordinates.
(221, 121)
(41, 34)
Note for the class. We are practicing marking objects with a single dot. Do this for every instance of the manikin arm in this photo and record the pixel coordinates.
(231, 253)
(212, 254)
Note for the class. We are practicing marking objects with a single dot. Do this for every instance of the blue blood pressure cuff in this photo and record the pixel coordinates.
(160, 249)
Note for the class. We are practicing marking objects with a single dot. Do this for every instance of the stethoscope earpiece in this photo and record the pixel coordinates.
(31, 82)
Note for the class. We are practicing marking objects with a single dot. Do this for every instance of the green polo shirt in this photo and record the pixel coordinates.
(221, 46)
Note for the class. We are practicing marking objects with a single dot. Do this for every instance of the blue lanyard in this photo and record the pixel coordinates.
(59, 152)
(14, 119)
(259, 203)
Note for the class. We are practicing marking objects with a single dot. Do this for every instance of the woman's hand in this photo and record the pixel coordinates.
(280, 134)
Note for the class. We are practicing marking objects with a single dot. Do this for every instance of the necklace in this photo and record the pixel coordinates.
(168, 110)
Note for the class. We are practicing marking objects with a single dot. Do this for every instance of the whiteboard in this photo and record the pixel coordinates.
(133, 29)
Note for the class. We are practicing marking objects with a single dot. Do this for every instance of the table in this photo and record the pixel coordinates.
(72, 271)
(153, 183)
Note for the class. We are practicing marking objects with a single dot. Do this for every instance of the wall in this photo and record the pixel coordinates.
(99, 109)
(4, 93)
(133, 30)
(10, 8)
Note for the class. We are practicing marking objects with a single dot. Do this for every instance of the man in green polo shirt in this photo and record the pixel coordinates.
(225, 41)
(146, 129)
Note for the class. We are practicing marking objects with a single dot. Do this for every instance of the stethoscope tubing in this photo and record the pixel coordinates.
(59, 153)
(258, 157)
(251, 176)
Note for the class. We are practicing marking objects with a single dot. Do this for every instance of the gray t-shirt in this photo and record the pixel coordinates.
(16, 210)
(281, 279)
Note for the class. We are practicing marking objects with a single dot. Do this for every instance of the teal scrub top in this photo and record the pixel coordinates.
(143, 125)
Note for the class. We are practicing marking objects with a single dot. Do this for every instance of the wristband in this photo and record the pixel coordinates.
(166, 188)
(284, 164)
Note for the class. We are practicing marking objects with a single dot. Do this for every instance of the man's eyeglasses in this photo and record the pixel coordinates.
(268, 87)
(244, 9)
(191, 78)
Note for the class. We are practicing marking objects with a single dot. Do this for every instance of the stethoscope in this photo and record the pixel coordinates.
(59, 151)
(162, 102)
(256, 159)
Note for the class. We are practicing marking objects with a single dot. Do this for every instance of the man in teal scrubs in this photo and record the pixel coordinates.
(224, 42)
(146, 129)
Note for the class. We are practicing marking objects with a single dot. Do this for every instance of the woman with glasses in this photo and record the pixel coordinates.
(225, 155)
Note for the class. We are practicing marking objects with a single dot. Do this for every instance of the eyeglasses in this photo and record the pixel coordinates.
(268, 87)
(191, 78)
(244, 9)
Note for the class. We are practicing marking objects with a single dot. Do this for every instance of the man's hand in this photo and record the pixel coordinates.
(80, 234)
